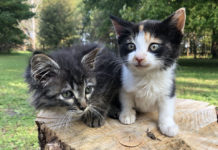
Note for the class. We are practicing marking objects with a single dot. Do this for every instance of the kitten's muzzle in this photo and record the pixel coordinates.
(82, 105)
(139, 60)
(142, 65)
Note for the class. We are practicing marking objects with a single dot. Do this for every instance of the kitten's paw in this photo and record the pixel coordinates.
(169, 129)
(127, 117)
(97, 122)
(93, 120)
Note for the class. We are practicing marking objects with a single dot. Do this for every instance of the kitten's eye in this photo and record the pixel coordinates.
(154, 46)
(67, 94)
(131, 46)
(89, 89)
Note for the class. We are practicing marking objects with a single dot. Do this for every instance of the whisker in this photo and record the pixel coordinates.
(59, 123)
(97, 107)
(94, 110)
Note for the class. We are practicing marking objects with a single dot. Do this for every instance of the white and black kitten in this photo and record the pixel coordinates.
(149, 50)
(75, 79)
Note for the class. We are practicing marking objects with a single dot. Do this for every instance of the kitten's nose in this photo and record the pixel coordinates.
(83, 105)
(139, 60)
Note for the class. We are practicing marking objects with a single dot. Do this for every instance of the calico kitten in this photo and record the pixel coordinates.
(69, 79)
(149, 50)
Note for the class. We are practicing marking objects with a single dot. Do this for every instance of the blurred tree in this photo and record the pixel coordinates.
(30, 26)
(202, 16)
(59, 23)
(11, 13)
(96, 22)
(149, 9)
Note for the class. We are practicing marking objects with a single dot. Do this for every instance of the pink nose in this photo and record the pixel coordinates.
(139, 60)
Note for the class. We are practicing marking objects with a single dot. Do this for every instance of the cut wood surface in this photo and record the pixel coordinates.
(197, 121)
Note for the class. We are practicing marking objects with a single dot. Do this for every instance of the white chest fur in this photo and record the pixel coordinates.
(149, 88)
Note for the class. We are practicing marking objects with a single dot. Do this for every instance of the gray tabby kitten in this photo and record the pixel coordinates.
(77, 80)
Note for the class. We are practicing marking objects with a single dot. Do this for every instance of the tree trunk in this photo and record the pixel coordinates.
(188, 47)
(214, 47)
(197, 121)
(194, 47)
(33, 32)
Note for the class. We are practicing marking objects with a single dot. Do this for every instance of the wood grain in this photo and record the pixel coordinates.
(197, 121)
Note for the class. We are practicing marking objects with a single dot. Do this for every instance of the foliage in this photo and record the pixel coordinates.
(97, 25)
(203, 17)
(17, 127)
(148, 9)
(59, 23)
(64, 22)
(11, 13)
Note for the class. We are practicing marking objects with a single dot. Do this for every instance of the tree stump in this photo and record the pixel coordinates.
(197, 121)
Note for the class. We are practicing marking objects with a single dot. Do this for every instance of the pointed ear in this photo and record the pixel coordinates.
(43, 68)
(177, 19)
(119, 25)
(88, 61)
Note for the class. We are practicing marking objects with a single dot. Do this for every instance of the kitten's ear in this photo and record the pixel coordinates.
(88, 60)
(120, 25)
(178, 19)
(43, 67)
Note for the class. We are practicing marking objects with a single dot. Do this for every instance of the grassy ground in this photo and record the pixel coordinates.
(196, 79)
(17, 128)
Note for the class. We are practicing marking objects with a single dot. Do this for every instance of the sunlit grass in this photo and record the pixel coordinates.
(198, 79)
(17, 127)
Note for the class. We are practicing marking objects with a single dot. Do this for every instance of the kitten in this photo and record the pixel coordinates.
(70, 79)
(149, 50)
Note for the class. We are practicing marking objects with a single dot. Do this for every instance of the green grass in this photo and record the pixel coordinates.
(17, 127)
(196, 79)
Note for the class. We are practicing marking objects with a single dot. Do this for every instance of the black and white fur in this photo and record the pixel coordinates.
(149, 50)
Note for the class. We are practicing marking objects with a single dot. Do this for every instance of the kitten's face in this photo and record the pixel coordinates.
(69, 88)
(142, 50)
(73, 95)
(150, 45)
(77, 94)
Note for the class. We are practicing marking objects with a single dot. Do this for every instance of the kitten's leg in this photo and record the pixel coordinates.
(128, 114)
(115, 107)
(166, 113)
(114, 112)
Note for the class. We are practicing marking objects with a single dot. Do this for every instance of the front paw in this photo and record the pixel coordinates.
(93, 120)
(169, 128)
(127, 117)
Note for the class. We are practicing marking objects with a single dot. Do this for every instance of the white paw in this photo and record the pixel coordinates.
(169, 129)
(127, 117)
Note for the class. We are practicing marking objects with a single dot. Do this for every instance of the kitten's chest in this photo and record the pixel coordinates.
(147, 87)
(147, 90)
(146, 94)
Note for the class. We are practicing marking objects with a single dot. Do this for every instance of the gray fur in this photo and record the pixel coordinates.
(74, 69)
